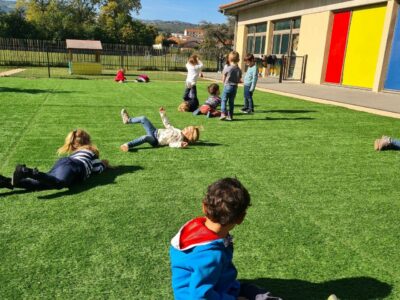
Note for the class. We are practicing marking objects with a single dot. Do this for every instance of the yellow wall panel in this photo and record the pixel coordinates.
(363, 46)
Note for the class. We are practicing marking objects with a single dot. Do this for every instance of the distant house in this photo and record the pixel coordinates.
(197, 33)
(350, 43)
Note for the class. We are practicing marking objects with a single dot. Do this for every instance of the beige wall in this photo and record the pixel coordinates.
(313, 39)
(289, 8)
(240, 39)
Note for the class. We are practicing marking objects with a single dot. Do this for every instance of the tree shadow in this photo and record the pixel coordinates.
(356, 288)
(106, 178)
(31, 91)
(288, 111)
(289, 119)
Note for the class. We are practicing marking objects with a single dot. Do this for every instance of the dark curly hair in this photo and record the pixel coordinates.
(226, 201)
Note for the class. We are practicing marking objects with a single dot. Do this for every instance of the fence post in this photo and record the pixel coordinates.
(282, 69)
(303, 75)
(48, 60)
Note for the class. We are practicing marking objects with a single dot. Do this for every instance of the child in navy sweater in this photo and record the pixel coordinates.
(201, 253)
(82, 162)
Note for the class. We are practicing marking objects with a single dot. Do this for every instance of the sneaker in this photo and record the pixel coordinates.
(124, 148)
(222, 117)
(244, 110)
(247, 111)
(382, 143)
(124, 116)
(5, 183)
(228, 118)
(21, 172)
(333, 297)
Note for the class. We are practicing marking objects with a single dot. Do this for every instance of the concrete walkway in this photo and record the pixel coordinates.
(11, 72)
(386, 104)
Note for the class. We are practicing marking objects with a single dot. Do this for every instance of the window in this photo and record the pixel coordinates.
(256, 34)
(286, 36)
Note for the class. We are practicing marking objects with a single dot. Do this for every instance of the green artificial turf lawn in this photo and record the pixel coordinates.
(325, 206)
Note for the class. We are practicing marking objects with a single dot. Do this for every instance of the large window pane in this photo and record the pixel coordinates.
(250, 42)
(262, 45)
(257, 48)
(282, 25)
(276, 44)
(285, 44)
(261, 27)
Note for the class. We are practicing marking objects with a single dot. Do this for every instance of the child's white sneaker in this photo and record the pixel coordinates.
(222, 117)
(124, 116)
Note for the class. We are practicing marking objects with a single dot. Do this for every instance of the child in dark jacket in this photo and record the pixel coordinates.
(201, 253)
(209, 108)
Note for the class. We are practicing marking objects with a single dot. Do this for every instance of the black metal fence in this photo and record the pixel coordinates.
(25, 52)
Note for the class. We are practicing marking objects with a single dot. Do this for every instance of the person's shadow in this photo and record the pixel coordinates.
(356, 288)
(105, 178)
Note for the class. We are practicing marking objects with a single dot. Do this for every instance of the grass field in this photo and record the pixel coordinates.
(324, 219)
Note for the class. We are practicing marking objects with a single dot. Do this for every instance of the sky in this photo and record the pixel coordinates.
(192, 11)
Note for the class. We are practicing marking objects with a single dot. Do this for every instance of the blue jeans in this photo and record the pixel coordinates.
(395, 143)
(228, 94)
(64, 173)
(248, 98)
(151, 133)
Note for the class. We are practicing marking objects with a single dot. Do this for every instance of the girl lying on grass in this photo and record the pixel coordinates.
(170, 136)
(82, 162)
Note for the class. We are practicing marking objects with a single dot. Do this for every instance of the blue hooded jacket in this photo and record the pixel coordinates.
(202, 265)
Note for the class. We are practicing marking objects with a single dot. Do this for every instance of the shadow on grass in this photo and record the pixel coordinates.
(356, 288)
(31, 91)
(274, 119)
(205, 144)
(288, 111)
(106, 178)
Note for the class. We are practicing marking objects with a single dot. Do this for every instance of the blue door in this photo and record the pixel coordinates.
(393, 76)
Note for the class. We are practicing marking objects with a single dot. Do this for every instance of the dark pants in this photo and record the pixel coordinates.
(190, 95)
(64, 173)
(151, 133)
(248, 98)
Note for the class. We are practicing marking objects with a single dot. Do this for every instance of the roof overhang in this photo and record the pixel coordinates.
(84, 44)
(234, 7)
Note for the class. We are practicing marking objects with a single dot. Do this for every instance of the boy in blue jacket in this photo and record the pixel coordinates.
(201, 253)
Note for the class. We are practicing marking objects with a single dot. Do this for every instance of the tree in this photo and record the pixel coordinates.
(14, 24)
(218, 37)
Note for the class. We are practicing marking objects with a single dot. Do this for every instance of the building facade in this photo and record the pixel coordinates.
(352, 43)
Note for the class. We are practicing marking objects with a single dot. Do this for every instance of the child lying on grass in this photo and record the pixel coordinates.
(386, 143)
(82, 162)
(170, 136)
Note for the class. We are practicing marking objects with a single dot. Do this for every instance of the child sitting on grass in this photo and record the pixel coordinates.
(386, 143)
(209, 108)
(170, 136)
(82, 162)
(120, 77)
(201, 253)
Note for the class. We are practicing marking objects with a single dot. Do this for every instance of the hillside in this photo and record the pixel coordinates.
(6, 6)
(170, 26)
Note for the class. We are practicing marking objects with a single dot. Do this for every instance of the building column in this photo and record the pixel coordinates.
(385, 47)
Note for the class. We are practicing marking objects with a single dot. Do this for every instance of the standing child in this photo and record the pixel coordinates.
(231, 76)
(82, 162)
(250, 81)
(170, 136)
(120, 77)
(193, 66)
(201, 253)
(209, 108)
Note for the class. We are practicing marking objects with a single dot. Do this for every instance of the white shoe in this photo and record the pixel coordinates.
(124, 116)
(333, 297)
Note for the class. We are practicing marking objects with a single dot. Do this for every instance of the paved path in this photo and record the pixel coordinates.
(11, 72)
(387, 104)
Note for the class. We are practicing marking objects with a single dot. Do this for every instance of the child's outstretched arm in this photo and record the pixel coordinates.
(164, 118)
(178, 144)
